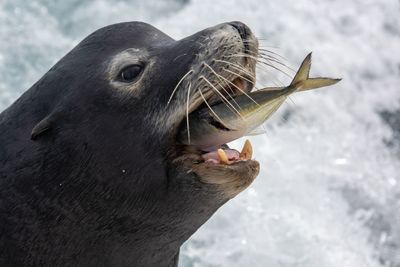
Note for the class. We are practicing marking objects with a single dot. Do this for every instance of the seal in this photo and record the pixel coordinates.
(91, 173)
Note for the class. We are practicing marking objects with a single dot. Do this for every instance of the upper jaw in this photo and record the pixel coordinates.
(228, 83)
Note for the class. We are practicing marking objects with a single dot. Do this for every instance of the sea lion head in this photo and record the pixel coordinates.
(104, 125)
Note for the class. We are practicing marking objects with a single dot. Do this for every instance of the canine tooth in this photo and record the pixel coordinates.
(247, 150)
(222, 156)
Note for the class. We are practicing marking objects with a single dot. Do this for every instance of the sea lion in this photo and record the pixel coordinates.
(90, 170)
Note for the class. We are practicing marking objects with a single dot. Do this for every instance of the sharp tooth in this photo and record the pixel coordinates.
(247, 150)
(223, 158)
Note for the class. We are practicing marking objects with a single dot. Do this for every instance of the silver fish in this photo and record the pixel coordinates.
(218, 124)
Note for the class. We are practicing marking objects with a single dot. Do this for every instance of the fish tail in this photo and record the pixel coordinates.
(303, 82)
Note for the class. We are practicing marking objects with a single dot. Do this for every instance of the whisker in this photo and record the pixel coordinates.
(272, 52)
(221, 95)
(221, 84)
(270, 61)
(259, 54)
(177, 85)
(264, 69)
(259, 60)
(238, 67)
(237, 87)
(187, 113)
(224, 100)
(276, 68)
(255, 54)
(240, 76)
(274, 59)
(271, 65)
(210, 108)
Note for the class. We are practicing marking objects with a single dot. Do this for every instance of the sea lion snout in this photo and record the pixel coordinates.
(244, 32)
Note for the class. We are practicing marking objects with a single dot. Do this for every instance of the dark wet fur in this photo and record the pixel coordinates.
(97, 186)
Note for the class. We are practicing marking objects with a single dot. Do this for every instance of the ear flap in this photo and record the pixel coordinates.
(42, 127)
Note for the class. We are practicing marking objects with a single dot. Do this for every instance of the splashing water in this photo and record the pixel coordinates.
(328, 193)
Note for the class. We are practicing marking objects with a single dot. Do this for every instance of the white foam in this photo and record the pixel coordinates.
(327, 194)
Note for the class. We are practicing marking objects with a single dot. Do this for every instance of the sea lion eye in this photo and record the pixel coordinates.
(130, 73)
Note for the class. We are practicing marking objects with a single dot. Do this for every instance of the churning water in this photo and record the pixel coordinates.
(328, 193)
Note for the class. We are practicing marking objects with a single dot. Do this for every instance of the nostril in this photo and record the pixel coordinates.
(243, 30)
(244, 33)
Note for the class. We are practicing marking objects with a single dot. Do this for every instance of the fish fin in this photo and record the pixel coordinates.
(303, 72)
(302, 82)
(313, 83)
(257, 131)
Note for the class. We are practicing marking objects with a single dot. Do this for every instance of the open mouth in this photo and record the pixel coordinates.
(229, 170)
(223, 154)
(227, 156)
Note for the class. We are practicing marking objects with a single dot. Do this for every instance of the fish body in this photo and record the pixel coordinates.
(223, 122)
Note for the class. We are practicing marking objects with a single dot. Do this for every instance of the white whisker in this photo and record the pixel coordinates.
(238, 67)
(213, 112)
(187, 113)
(237, 87)
(221, 95)
(176, 87)
(221, 84)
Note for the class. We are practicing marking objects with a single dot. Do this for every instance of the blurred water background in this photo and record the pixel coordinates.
(328, 193)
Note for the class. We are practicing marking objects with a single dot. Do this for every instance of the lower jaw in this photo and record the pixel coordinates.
(226, 171)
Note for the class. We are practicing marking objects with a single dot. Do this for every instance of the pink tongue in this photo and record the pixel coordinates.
(213, 156)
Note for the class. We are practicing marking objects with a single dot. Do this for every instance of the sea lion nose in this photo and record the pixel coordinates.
(244, 32)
